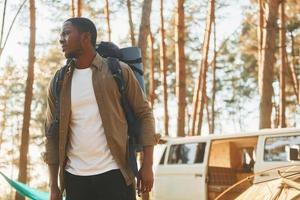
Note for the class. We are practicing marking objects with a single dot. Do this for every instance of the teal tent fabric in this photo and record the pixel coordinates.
(27, 191)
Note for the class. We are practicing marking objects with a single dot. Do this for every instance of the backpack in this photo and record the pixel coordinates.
(132, 57)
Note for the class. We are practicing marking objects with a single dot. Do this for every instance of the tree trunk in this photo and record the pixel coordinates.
(200, 88)
(144, 29)
(3, 21)
(208, 114)
(79, 4)
(180, 68)
(276, 110)
(106, 12)
(195, 116)
(293, 68)
(130, 23)
(283, 67)
(142, 42)
(72, 8)
(267, 64)
(214, 68)
(152, 84)
(164, 69)
(28, 99)
(260, 29)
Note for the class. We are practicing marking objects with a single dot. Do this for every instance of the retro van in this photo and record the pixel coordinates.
(202, 167)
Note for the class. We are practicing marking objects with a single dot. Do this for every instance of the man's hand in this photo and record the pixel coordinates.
(55, 193)
(145, 181)
(54, 190)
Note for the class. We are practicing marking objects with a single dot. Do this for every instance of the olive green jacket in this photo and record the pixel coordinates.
(111, 112)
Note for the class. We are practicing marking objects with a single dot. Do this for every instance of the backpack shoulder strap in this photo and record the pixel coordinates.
(58, 79)
(115, 68)
(53, 128)
(131, 63)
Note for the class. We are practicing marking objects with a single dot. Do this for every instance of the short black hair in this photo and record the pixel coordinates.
(85, 25)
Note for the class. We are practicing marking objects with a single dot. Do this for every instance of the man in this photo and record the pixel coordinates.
(89, 152)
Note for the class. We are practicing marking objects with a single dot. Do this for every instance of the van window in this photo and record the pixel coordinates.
(277, 148)
(189, 153)
(162, 160)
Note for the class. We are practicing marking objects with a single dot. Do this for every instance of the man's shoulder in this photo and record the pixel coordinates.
(124, 65)
(125, 68)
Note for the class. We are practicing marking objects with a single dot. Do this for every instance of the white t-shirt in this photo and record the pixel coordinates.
(88, 152)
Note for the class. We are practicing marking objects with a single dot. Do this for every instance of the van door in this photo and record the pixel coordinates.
(273, 153)
(183, 171)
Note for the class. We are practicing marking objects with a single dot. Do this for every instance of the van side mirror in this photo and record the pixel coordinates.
(294, 154)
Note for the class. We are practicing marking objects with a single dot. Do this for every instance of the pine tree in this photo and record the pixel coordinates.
(200, 88)
(28, 99)
(72, 8)
(283, 67)
(132, 37)
(180, 67)
(144, 29)
(267, 64)
(164, 69)
(106, 12)
(152, 84)
(79, 7)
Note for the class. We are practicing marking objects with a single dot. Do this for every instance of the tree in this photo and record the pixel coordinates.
(79, 6)
(292, 26)
(144, 28)
(267, 64)
(200, 88)
(142, 43)
(164, 69)
(260, 28)
(214, 68)
(180, 67)
(28, 99)
(106, 12)
(152, 84)
(250, 51)
(3, 20)
(72, 8)
(283, 67)
(130, 23)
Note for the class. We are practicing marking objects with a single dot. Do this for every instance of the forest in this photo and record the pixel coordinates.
(210, 67)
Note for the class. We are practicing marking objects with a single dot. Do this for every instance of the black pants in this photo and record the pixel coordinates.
(107, 186)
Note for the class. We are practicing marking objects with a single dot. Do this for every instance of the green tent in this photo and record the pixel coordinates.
(27, 191)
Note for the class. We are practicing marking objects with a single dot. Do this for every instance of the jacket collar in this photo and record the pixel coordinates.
(96, 63)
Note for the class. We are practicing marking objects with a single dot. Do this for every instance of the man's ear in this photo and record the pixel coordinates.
(86, 37)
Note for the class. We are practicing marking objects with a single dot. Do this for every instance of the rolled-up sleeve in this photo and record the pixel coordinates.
(51, 139)
(140, 106)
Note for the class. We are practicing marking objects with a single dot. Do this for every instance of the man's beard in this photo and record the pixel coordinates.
(71, 55)
(74, 54)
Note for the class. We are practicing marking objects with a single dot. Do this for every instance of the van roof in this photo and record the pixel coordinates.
(228, 136)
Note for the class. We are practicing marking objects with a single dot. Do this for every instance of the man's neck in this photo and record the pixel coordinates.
(86, 59)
